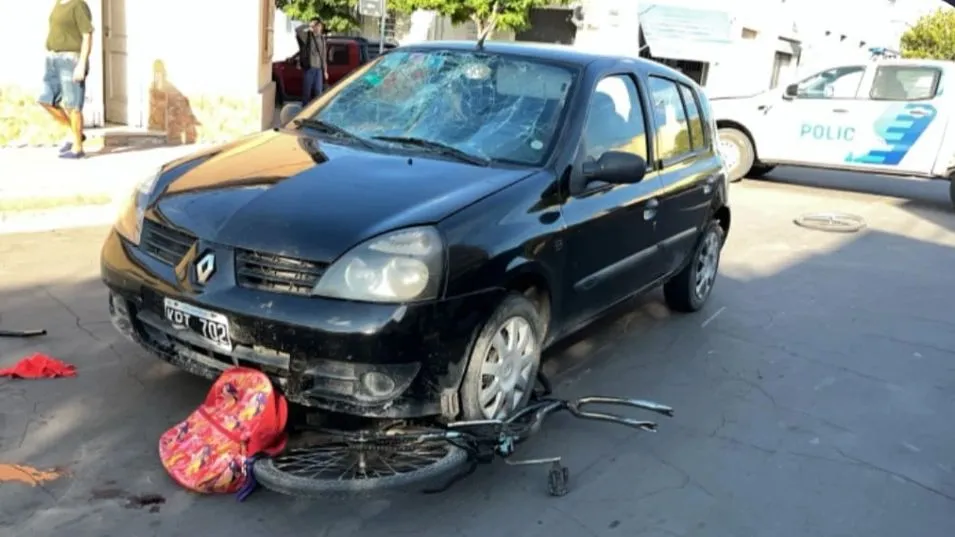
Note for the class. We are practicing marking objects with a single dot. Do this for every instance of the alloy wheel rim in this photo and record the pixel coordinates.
(707, 264)
(730, 153)
(507, 369)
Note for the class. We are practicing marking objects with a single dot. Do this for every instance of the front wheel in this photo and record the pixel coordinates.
(689, 290)
(951, 191)
(336, 468)
(504, 361)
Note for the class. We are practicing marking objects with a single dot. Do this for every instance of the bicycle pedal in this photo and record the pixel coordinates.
(557, 478)
(528, 462)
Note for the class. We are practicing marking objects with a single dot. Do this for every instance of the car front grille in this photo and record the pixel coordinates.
(165, 243)
(268, 272)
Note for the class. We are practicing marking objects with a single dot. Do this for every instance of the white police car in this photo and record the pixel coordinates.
(887, 116)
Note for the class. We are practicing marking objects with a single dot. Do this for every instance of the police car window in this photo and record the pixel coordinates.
(904, 83)
(615, 120)
(673, 132)
(697, 137)
(838, 83)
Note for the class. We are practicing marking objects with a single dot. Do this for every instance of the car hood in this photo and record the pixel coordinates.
(292, 195)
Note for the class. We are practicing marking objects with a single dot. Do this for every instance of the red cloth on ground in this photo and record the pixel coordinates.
(39, 366)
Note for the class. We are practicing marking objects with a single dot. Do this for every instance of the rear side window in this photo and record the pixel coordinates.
(697, 136)
(337, 55)
(673, 131)
(905, 83)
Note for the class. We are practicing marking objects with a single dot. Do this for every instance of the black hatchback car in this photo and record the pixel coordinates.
(412, 240)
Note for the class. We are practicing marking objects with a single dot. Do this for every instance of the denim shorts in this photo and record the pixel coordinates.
(59, 89)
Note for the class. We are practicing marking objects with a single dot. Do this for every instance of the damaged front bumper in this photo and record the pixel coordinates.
(370, 360)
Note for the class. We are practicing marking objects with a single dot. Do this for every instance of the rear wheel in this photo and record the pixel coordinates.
(689, 290)
(335, 467)
(737, 152)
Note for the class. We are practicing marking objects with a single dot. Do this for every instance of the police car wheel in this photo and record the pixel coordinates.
(737, 152)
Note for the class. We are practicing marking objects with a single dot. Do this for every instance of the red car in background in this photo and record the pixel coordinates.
(345, 54)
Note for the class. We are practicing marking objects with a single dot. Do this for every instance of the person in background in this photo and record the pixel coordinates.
(68, 44)
(313, 57)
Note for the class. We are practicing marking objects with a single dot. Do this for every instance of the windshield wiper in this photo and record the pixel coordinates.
(437, 147)
(329, 128)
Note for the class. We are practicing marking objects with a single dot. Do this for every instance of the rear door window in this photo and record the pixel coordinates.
(673, 130)
(905, 83)
(695, 120)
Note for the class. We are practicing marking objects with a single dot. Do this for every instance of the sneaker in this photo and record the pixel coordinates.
(68, 145)
(72, 156)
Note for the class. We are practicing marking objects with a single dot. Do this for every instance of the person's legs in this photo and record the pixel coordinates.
(51, 93)
(319, 82)
(74, 94)
(308, 86)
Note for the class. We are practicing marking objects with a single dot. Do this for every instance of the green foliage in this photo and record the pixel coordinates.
(339, 15)
(513, 13)
(932, 37)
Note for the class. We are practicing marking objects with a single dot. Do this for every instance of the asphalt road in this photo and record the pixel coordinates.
(814, 397)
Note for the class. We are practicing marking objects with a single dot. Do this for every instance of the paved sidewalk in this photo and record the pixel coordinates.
(39, 191)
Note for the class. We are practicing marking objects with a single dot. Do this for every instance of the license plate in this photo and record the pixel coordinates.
(211, 326)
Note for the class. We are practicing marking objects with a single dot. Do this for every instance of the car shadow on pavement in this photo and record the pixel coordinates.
(922, 193)
(809, 396)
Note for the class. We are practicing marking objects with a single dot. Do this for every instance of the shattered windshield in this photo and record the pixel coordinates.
(487, 106)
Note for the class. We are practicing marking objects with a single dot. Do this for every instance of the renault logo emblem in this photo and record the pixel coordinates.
(205, 267)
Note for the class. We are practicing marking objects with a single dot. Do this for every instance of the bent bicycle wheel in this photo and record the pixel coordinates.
(341, 468)
(834, 222)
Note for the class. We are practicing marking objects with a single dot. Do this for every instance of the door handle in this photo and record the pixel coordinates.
(840, 110)
(650, 211)
(918, 112)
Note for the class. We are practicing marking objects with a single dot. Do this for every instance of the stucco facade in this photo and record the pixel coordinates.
(178, 69)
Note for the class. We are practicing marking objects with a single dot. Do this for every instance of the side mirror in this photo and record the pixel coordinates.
(288, 113)
(616, 167)
(791, 91)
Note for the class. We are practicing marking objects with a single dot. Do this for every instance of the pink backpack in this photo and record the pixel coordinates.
(242, 417)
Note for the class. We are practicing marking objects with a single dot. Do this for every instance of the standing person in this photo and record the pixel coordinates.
(313, 57)
(68, 43)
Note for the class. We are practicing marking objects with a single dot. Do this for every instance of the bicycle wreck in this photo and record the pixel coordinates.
(336, 462)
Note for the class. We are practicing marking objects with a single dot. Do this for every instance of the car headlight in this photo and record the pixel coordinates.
(130, 221)
(400, 266)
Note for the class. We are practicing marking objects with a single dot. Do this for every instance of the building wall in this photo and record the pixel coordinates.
(188, 76)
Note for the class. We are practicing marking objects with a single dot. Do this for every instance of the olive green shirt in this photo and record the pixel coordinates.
(69, 22)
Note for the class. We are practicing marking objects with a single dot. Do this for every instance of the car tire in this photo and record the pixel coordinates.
(516, 317)
(951, 191)
(684, 292)
(737, 148)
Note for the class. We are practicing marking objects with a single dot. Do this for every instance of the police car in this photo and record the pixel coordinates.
(887, 116)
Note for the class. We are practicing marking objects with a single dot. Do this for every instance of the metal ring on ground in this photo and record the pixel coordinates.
(831, 221)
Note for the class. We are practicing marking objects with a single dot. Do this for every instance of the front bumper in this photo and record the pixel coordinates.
(319, 352)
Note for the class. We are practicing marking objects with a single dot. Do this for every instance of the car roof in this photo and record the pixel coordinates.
(943, 64)
(553, 52)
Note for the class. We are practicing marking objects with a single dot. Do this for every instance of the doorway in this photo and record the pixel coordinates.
(115, 79)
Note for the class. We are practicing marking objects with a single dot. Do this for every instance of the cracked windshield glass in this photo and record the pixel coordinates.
(489, 106)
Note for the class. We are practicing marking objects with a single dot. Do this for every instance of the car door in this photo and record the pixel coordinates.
(292, 77)
(611, 229)
(902, 123)
(343, 56)
(688, 167)
(815, 123)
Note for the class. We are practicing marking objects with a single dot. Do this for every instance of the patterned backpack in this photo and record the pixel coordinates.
(242, 417)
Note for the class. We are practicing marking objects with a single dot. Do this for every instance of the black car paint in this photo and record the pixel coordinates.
(586, 246)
